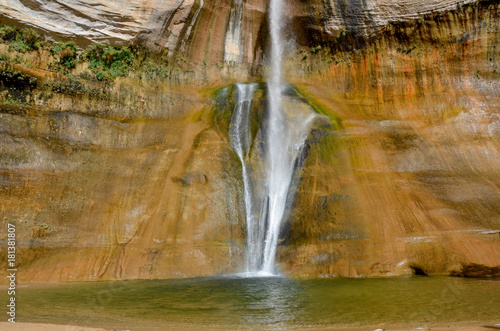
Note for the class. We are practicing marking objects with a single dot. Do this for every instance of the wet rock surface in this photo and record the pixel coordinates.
(478, 271)
(136, 178)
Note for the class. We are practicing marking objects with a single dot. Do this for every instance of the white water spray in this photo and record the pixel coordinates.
(285, 134)
(241, 142)
(277, 140)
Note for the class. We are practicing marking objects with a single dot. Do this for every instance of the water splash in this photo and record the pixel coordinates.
(285, 143)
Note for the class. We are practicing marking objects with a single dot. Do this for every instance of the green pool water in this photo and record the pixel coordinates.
(272, 302)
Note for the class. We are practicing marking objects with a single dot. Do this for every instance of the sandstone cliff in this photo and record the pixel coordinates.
(216, 31)
(130, 174)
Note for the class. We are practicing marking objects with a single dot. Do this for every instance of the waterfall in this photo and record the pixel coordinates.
(286, 135)
(286, 130)
(241, 142)
(277, 141)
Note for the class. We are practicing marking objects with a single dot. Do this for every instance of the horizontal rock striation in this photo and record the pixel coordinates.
(133, 175)
(222, 30)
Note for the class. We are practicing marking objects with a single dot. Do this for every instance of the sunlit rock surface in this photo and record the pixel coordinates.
(410, 184)
(221, 30)
(149, 191)
(138, 179)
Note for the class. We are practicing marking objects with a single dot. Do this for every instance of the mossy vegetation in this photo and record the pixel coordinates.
(98, 62)
(223, 108)
(65, 55)
(108, 62)
(153, 71)
(22, 40)
(319, 107)
(70, 87)
(211, 92)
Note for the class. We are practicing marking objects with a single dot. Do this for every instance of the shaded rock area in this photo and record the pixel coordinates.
(478, 271)
(188, 179)
(135, 177)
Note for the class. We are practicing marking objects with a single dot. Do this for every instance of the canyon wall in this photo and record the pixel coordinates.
(135, 177)
(410, 182)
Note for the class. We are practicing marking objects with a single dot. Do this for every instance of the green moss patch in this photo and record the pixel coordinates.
(318, 106)
(108, 62)
(65, 55)
(22, 40)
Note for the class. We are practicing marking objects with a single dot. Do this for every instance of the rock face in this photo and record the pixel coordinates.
(478, 271)
(221, 30)
(409, 183)
(215, 31)
(137, 179)
(363, 17)
(95, 197)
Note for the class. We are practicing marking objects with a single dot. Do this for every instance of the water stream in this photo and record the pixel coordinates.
(241, 141)
(278, 141)
(285, 134)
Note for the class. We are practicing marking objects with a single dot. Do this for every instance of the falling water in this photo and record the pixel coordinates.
(285, 134)
(241, 142)
(277, 141)
(285, 138)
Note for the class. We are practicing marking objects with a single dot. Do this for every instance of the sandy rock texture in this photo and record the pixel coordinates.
(137, 178)
(213, 31)
(233, 31)
(411, 180)
(97, 195)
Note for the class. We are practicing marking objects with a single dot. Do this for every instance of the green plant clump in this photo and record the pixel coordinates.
(22, 40)
(65, 54)
(8, 33)
(315, 49)
(108, 62)
(153, 71)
